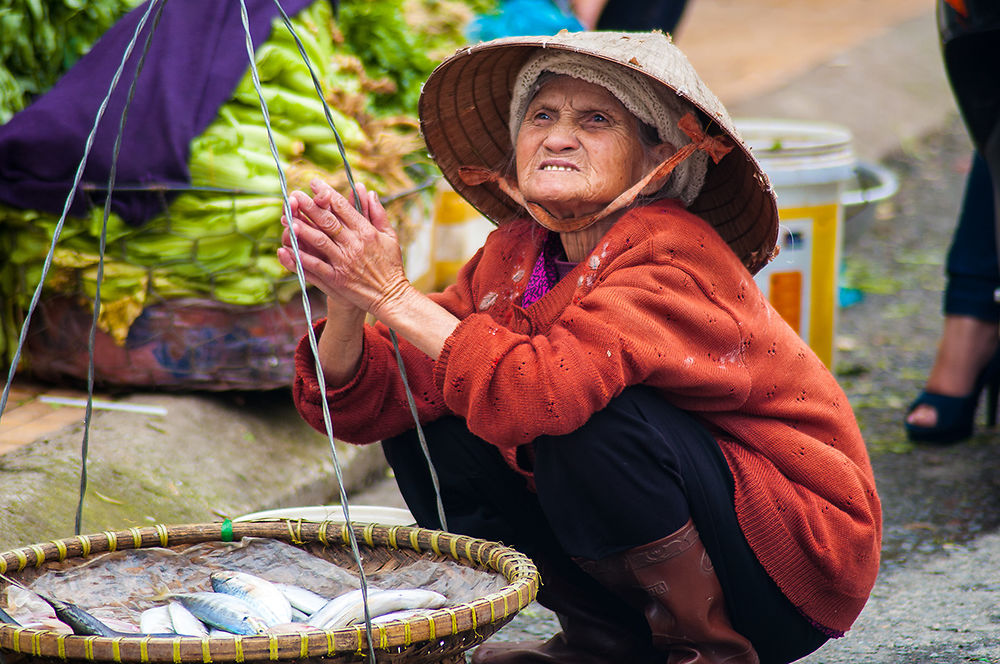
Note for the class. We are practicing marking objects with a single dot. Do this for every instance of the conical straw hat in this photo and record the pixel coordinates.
(465, 104)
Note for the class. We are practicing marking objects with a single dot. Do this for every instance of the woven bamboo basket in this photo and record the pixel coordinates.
(442, 636)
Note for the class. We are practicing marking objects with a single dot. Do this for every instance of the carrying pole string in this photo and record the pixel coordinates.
(57, 232)
(392, 333)
(100, 268)
(306, 306)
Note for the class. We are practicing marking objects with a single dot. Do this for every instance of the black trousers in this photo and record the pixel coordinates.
(641, 15)
(972, 269)
(633, 474)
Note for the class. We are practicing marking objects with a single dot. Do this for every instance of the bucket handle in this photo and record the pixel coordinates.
(874, 184)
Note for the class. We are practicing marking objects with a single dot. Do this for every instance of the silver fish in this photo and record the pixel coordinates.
(5, 617)
(156, 621)
(301, 598)
(352, 607)
(184, 622)
(81, 621)
(402, 614)
(226, 612)
(335, 607)
(269, 602)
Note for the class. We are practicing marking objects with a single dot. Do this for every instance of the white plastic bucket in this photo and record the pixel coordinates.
(809, 165)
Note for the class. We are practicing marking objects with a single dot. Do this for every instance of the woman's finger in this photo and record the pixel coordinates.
(321, 192)
(319, 256)
(320, 218)
(361, 200)
(313, 270)
(324, 195)
(293, 207)
(304, 243)
(332, 201)
(378, 216)
(310, 264)
(347, 213)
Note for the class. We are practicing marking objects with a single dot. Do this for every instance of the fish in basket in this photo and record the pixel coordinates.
(258, 590)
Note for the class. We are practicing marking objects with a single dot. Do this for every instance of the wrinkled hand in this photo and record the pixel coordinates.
(353, 257)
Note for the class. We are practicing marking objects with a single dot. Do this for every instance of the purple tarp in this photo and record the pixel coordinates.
(196, 58)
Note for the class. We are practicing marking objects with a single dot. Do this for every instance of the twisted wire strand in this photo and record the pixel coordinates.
(57, 232)
(85, 447)
(307, 308)
(4, 397)
(392, 333)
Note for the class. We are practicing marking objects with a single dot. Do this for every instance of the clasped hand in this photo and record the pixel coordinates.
(353, 257)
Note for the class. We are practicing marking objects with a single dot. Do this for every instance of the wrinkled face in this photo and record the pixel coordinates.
(578, 148)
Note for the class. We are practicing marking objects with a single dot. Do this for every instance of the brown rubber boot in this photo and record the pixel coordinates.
(598, 628)
(673, 582)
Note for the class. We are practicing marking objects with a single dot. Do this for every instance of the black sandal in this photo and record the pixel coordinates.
(956, 415)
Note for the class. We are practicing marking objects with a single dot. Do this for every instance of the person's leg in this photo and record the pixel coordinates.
(485, 498)
(966, 357)
(482, 496)
(642, 476)
(971, 266)
(944, 412)
(641, 15)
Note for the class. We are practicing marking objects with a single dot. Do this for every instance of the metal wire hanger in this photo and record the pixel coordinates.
(159, 5)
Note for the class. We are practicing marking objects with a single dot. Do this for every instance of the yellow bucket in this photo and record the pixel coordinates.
(459, 231)
(809, 165)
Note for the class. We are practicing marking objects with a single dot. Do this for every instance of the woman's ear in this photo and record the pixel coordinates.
(655, 156)
(662, 151)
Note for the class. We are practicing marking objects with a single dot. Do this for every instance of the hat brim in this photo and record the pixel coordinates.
(465, 103)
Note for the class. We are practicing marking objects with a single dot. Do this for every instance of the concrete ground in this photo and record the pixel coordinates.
(873, 67)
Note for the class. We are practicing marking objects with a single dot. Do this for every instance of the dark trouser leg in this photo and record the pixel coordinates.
(641, 15)
(641, 467)
(628, 456)
(972, 270)
(971, 51)
(484, 498)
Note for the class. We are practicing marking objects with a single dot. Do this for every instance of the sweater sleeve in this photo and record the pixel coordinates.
(645, 322)
(374, 404)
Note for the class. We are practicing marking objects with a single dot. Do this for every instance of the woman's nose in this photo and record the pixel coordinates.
(561, 136)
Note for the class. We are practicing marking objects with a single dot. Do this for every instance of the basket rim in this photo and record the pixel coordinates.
(458, 621)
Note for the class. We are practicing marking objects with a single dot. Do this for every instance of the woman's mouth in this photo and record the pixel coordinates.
(557, 167)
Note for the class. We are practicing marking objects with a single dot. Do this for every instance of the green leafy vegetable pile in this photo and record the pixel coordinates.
(41, 39)
(220, 246)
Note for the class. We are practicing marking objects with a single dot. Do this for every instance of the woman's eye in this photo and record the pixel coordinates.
(541, 116)
(599, 118)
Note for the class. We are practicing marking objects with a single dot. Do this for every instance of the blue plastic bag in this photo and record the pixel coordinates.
(523, 17)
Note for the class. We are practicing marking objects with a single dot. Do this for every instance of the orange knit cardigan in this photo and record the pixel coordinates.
(662, 301)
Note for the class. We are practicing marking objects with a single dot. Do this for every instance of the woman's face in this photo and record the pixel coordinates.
(578, 148)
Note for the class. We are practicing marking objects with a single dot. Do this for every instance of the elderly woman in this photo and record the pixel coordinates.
(604, 387)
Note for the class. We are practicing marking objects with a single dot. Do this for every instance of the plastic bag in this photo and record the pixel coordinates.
(523, 17)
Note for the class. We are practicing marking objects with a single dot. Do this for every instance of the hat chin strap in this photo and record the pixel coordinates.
(715, 147)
